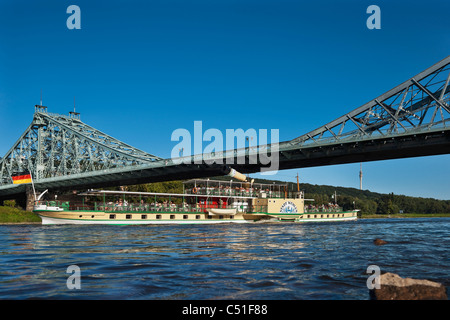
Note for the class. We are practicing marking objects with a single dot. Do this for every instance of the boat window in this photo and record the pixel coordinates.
(80, 216)
(128, 216)
(112, 216)
(231, 217)
(158, 216)
(172, 216)
(197, 217)
(220, 217)
(92, 216)
(143, 216)
(185, 216)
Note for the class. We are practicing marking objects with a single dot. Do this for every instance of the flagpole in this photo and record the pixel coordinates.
(32, 184)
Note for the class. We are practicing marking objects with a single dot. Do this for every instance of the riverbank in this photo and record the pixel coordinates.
(12, 215)
(405, 215)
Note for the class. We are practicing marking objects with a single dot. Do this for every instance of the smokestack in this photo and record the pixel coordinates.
(235, 174)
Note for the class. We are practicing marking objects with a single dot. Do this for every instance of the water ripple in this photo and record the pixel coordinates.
(255, 261)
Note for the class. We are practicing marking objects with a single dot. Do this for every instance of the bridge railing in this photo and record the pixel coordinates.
(356, 136)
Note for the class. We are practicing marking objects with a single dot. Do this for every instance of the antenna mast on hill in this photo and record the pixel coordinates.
(360, 176)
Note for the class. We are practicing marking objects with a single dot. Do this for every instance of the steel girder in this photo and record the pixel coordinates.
(418, 105)
(57, 145)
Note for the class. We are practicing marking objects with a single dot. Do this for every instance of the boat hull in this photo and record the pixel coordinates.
(50, 220)
(128, 218)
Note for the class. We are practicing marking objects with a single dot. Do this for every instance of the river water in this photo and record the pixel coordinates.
(231, 261)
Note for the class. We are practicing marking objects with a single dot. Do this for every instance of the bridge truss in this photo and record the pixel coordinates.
(417, 105)
(412, 119)
(56, 145)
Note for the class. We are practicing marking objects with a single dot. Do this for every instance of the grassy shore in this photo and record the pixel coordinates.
(406, 215)
(16, 215)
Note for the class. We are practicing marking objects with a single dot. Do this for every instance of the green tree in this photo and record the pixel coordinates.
(392, 208)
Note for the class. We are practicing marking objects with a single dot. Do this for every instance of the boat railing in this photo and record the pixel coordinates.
(323, 208)
(152, 207)
(229, 192)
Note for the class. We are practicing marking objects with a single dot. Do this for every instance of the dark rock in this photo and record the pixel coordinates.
(379, 242)
(394, 287)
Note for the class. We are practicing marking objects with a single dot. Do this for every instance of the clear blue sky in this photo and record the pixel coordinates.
(141, 69)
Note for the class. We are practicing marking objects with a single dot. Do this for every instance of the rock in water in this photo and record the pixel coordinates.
(379, 242)
(394, 287)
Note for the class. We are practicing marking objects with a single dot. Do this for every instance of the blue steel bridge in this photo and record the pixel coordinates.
(63, 153)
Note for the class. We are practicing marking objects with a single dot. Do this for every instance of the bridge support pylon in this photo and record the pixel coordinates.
(26, 200)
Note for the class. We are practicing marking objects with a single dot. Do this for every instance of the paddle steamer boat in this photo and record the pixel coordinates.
(202, 201)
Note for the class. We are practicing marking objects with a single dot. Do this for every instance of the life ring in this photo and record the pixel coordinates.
(194, 190)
